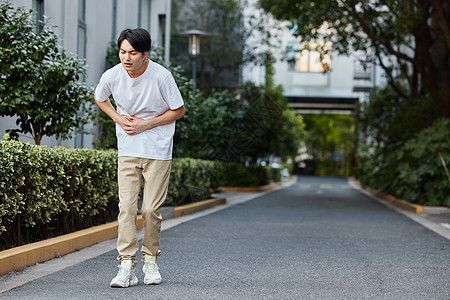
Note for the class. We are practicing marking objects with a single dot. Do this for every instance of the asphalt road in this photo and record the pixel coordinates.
(317, 239)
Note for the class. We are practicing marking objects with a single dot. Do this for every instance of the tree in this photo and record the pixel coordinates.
(274, 128)
(330, 140)
(386, 115)
(410, 38)
(39, 81)
(225, 50)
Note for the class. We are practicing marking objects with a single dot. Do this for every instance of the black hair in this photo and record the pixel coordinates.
(139, 38)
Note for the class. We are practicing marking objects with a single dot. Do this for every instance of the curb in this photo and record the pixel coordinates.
(256, 189)
(194, 207)
(29, 254)
(400, 203)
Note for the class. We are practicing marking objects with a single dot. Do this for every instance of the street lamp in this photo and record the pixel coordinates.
(194, 49)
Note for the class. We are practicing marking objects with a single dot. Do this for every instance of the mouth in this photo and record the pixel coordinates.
(127, 64)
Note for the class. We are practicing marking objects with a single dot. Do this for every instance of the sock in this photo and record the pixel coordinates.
(126, 263)
(149, 258)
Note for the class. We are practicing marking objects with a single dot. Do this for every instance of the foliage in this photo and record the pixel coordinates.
(407, 38)
(422, 175)
(269, 126)
(415, 171)
(237, 174)
(385, 117)
(258, 125)
(208, 120)
(40, 82)
(106, 128)
(330, 140)
(400, 145)
(190, 181)
(53, 190)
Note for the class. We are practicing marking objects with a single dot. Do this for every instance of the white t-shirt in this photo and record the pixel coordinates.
(145, 97)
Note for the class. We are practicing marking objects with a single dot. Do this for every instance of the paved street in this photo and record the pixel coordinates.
(316, 239)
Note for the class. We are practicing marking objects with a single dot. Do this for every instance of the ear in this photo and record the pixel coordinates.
(145, 54)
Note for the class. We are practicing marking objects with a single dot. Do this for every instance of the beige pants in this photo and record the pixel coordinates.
(131, 172)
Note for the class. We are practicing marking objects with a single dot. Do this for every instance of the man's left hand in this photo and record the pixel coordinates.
(135, 125)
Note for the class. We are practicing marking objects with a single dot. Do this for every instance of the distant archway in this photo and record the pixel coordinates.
(322, 105)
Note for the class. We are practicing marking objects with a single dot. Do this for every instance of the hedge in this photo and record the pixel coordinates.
(49, 191)
(236, 174)
(46, 192)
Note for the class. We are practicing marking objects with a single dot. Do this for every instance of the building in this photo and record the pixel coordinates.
(311, 85)
(86, 28)
(332, 85)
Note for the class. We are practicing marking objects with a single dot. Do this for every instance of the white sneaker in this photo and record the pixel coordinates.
(151, 270)
(126, 276)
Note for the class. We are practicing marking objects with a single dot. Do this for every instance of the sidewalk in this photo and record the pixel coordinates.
(436, 219)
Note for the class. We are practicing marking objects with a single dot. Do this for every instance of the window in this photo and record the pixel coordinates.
(362, 69)
(114, 20)
(81, 36)
(305, 56)
(38, 8)
(144, 14)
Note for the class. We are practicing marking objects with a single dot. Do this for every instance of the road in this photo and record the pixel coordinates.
(316, 239)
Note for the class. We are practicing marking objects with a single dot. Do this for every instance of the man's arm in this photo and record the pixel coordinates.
(138, 125)
(107, 108)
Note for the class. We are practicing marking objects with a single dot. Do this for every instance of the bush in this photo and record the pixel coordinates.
(414, 171)
(422, 175)
(49, 191)
(236, 174)
(190, 181)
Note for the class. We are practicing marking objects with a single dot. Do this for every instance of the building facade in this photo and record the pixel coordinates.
(331, 85)
(86, 27)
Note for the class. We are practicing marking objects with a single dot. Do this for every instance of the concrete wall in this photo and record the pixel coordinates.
(99, 32)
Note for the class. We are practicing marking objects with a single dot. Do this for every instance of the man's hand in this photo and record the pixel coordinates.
(133, 125)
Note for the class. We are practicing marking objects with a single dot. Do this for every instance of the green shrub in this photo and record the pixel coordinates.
(237, 174)
(413, 171)
(53, 190)
(290, 167)
(422, 175)
(190, 181)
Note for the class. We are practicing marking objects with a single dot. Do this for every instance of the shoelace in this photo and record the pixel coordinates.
(123, 271)
(151, 267)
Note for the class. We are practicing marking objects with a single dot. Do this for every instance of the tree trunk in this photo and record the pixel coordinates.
(37, 138)
(427, 66)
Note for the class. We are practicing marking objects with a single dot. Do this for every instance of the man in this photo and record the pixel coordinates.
(148, 103)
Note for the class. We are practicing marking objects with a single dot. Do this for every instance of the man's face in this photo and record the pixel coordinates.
(132, 60)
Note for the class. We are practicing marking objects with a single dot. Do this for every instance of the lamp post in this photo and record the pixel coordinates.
(194, 50)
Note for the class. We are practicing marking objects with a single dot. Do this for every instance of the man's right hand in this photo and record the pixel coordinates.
(124, 122)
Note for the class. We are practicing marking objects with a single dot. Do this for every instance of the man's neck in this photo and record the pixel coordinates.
(140, 71)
